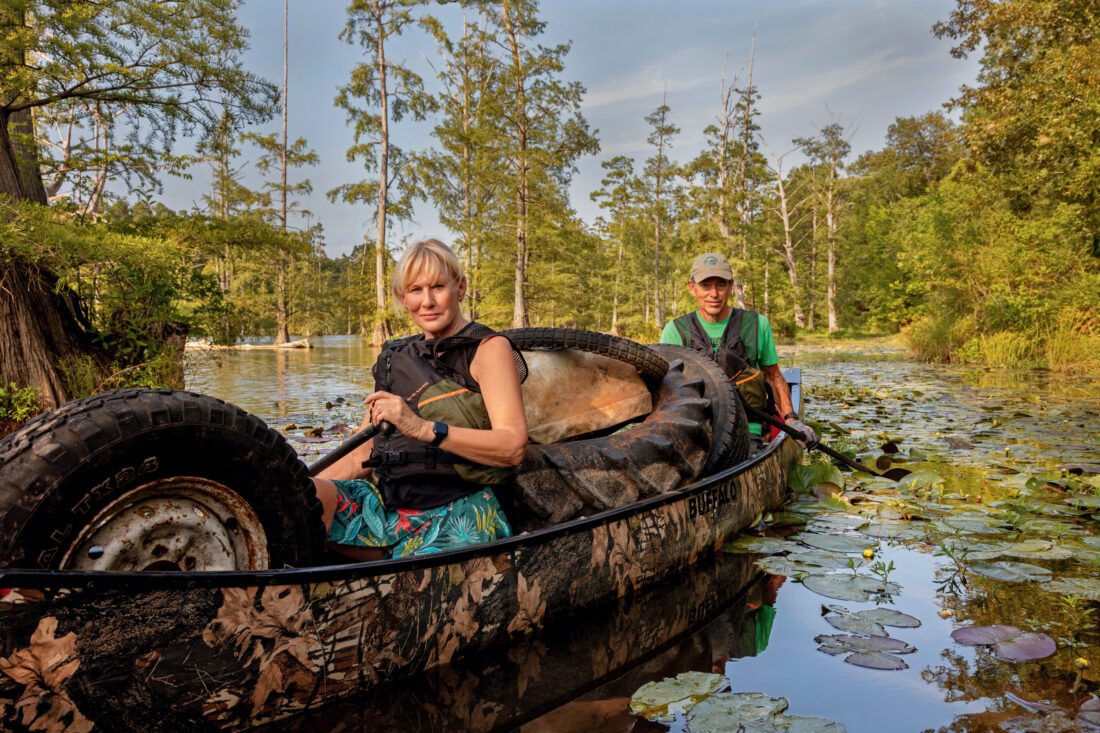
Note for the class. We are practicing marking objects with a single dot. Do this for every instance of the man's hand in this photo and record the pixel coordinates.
(808, 438)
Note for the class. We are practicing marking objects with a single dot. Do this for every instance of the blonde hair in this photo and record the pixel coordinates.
(430, 258)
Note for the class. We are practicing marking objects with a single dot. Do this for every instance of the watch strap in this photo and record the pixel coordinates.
(440, 429)
(791, 416)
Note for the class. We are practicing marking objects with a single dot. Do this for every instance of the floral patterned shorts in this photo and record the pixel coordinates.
(362, 519)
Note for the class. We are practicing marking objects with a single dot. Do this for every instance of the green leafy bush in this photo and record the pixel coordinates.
(18, 404)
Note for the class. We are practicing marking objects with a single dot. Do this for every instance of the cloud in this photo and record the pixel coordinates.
(814, 87)
(650, 82)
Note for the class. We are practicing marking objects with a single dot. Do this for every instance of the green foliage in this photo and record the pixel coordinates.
(18, 404)
(1072, 342)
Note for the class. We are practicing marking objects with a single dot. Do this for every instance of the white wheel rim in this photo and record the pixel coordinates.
(178, 523)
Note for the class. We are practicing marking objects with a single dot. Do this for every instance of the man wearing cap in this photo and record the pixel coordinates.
(740, 341)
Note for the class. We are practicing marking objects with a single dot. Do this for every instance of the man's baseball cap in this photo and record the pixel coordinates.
(710, 264)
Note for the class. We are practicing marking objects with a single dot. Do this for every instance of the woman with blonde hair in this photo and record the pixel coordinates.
(453, 394)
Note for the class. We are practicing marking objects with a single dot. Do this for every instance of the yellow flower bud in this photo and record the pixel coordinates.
(868, 554)
(946, 613)
(1081, 663)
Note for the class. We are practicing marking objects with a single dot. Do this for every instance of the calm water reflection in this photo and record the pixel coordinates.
(1004, 426)
(290, 384)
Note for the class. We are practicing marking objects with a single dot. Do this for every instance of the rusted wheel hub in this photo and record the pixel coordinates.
(177, 523)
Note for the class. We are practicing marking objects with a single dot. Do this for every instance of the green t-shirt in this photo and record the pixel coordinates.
(765, 344)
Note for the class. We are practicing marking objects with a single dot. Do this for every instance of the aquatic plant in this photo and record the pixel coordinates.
(882, 570)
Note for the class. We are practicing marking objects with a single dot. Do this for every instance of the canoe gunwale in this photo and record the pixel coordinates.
(106, 580)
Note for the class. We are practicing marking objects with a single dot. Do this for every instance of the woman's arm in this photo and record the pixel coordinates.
(503, 444)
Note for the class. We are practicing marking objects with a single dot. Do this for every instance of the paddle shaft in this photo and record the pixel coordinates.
(348, 446)
(795, 434)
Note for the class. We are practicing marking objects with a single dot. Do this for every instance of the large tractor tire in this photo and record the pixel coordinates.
(667, 450)
(143, 479)
(729, 426)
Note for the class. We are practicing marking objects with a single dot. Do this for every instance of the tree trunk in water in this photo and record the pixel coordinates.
(282, 333)
(381, 330)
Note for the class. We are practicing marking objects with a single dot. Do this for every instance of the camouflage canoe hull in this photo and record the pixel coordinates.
(95, 651)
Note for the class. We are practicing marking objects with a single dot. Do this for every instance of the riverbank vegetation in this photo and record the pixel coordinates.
(974, 232)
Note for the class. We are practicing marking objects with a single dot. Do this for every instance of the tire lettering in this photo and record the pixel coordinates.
(125, 476)
(85, 504)
(148, 465)
(45, 557)
(59, 534)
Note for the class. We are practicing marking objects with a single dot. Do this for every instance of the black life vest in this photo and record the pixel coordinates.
(433, 376)
(737, 352)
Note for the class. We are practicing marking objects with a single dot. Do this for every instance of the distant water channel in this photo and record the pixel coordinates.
(987, 445)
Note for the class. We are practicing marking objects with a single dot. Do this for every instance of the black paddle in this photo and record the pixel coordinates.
(894, 474)
(348, 446)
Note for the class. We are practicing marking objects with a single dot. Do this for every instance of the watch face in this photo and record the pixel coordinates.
(440, 430)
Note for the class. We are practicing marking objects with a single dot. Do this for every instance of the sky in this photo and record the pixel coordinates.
(858, 63)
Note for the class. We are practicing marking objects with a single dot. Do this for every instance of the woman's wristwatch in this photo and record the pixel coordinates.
(792, 415)
(440, 429)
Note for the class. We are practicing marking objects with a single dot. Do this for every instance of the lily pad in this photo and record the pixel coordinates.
(785, 519)
(762, 545)
(842, 643)
(820, 558)
(849, 587)
(802, 478)
(895, 530)
(809, 724)
(958, 442)
(829, 522)
(652, 700)
(920, 480)
(855, 624)
(984, 635)
(876, 660)
(1054, 552)
(1084, 587)
(726, 711)
(970, 525)
(1050, 526)
(1025, 647)
(836, 542)
(1010, 572)
(1089, 501)
(890, 617)
(779, 565)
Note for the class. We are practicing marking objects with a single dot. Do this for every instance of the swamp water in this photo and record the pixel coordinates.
(987, 531)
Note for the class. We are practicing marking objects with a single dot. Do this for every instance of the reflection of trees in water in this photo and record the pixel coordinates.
(983, 602)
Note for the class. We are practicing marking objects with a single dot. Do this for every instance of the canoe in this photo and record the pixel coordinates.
(85, 650)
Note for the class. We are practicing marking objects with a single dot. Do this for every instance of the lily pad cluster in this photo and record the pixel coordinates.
(695, 696)
(868, 644)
